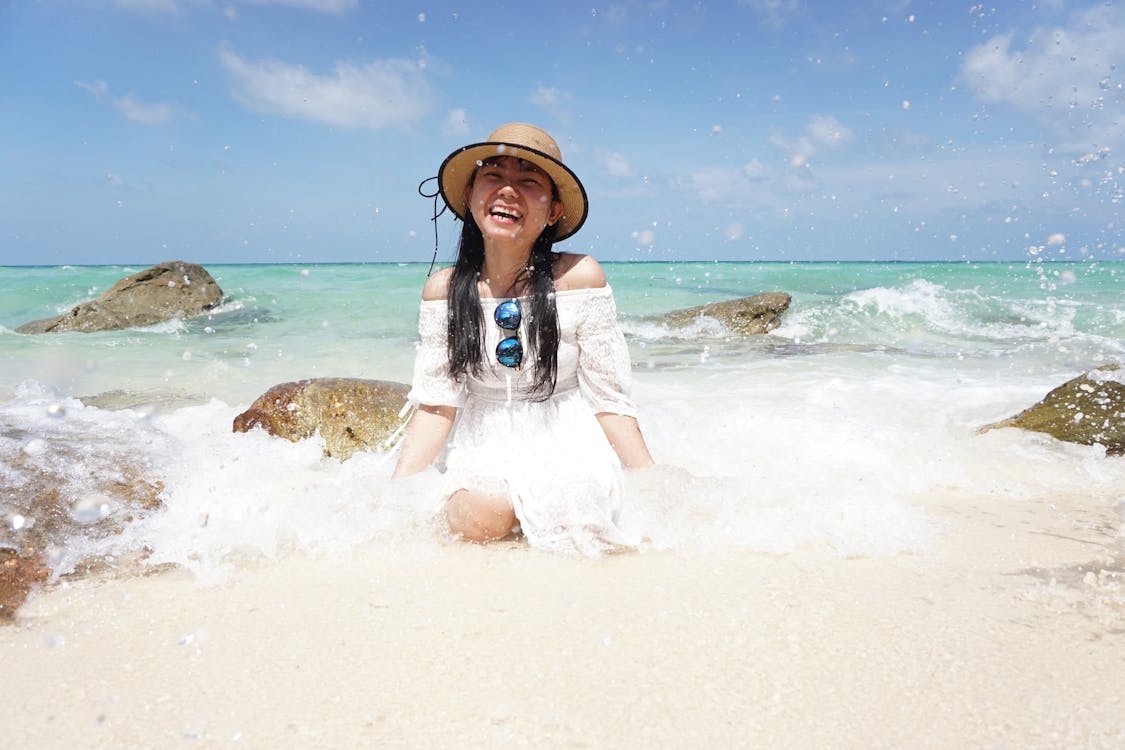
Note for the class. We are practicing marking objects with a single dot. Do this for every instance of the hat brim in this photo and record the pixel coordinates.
(458, 168)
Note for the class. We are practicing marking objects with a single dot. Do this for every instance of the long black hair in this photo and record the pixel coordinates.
(466, 324)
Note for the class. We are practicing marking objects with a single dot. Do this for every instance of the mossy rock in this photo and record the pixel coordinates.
(1089, 410)
(746, 316)
(350, 414)
(173, 289)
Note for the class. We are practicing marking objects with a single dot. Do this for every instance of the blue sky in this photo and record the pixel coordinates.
(133, 131)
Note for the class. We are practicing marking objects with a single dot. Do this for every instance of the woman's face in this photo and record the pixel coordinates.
(512, 199)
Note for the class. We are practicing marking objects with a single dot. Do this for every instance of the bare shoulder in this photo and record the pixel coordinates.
(437, 286)
(575, 271)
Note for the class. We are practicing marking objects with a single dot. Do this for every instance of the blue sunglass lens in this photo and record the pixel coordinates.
(509, 352)
(508, 315)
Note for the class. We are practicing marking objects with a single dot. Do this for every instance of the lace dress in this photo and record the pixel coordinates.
(552, 457)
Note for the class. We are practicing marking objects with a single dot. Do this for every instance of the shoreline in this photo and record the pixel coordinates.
(1010, 632)
(1014, 260)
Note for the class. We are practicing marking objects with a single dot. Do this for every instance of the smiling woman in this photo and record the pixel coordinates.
(533, 188)
(535, 443)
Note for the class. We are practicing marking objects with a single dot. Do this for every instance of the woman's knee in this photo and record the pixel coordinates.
(479, 517)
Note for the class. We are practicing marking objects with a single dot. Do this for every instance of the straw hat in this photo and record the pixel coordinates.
(525, 142)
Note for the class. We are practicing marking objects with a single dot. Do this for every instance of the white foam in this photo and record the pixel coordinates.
(229, 497)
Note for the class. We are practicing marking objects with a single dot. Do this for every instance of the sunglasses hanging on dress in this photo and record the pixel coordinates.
(509, 352)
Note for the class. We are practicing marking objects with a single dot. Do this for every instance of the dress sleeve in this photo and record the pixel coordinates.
(432, 384)
(604, 371)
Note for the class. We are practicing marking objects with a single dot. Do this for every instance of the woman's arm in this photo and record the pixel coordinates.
(430, 426)
(425, 438)
(624, 434)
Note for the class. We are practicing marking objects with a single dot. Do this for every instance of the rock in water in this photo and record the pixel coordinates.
(351, 414)
(746, 316)
(69, 492)
(173, 289)
(18, 574)
(1089, 410)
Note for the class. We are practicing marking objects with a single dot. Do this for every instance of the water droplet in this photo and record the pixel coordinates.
(91, 508)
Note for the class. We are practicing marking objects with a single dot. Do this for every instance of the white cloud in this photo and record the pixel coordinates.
(145, 114)
(171, 7)
(376, 95)
(712, 183)
(774, 13)
(129, 106)
(827, 131)
(545, 96)
(322, 6)
(149, 6)
(822, 133)
(730, 185)
(800, 182)
(615, 164)
(1068, 79)
(98, 89)
(754, 170)
(554, 100)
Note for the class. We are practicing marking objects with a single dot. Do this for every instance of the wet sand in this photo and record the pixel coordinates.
(1010, 632)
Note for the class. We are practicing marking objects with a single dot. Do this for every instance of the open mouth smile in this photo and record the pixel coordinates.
(504, 214)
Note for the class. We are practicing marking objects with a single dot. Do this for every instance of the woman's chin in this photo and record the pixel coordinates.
(503, 231)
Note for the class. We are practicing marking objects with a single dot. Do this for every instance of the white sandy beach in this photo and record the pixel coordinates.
(1009, 633)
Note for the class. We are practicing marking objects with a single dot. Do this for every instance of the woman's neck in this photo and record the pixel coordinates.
(500, 275)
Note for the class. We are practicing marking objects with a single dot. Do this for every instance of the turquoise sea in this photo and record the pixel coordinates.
(833, 431)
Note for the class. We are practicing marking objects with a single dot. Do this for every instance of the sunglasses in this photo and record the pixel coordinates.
(509, 352)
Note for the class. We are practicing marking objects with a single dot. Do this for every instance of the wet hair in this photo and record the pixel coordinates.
(466, 323)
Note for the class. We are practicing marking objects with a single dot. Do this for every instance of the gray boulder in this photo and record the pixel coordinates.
(1089, 410)
(173, 289)
(351, 414)
(745, 316)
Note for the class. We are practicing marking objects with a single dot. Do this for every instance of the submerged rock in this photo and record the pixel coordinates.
(173, 289)
(746, 316)
(351, 414)
(55, 492)
(18, 575)
(1089, 410)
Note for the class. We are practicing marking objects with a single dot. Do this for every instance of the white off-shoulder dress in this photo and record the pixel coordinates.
(553, 458)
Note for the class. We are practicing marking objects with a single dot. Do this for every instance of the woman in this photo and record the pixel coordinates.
(522, 368)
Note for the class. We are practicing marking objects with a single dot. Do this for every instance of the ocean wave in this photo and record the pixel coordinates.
(170, 326)
(653, 329)
(922, 315)
(234, 313)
